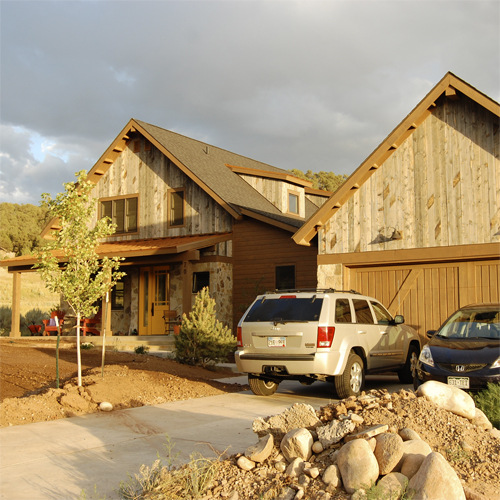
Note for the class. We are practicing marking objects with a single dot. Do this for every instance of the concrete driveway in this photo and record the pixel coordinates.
(58, 460)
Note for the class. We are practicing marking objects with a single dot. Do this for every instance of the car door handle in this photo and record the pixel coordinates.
(361, 331)
(382, 333)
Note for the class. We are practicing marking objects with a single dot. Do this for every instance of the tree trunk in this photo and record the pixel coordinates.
(78, 352)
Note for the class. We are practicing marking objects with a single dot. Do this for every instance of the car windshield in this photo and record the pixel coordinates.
(472, 324)
(285, 310)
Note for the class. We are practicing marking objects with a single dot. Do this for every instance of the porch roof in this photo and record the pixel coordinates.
(136, 248)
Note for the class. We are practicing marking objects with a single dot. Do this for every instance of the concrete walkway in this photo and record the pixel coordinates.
(58, 460)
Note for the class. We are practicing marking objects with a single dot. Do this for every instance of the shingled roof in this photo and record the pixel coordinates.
(212, 169)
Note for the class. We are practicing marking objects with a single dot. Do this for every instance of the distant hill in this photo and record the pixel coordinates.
(20, 227)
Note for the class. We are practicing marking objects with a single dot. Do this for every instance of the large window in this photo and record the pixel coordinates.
(122, 212)
(285, 277)
(176, 207)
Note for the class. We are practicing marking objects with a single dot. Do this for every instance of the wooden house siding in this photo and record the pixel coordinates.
(441, 187)
(150, 174)
(277, 192)
(257, 249)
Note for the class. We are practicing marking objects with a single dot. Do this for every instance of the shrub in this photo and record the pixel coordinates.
(87, 345)
(5, 320)
(488, 401)
(141, 349)
(203, 340)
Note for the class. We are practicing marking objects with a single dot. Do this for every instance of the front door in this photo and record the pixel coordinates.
(154, 299)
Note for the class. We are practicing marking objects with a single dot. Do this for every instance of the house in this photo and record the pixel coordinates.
(190, 215)
(417, 225)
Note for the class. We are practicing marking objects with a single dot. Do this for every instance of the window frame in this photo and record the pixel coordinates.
(296, 194)
(170, 192)
(113, 199)
(114, 306)
(197, 288)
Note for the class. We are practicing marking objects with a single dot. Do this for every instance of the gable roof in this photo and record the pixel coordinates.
(449, 85)
(214, 169)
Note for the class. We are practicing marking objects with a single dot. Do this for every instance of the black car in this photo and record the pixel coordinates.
(465, 351)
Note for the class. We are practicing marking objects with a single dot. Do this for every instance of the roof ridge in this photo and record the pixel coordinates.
(209, 144)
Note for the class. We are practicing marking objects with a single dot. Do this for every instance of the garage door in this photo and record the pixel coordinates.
(427, 294)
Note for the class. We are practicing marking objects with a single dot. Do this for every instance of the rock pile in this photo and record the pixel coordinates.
(341, 451)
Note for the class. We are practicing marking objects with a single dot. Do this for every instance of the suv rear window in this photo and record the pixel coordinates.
(286, 309)
(363, 313)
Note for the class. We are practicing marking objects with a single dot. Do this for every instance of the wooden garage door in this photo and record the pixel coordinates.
(427, 294)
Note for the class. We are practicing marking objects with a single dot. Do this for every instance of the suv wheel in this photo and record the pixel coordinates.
(352, 380)
(407, 373)
(262, 387)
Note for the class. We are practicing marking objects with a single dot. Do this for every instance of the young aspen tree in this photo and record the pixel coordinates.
(69, 263)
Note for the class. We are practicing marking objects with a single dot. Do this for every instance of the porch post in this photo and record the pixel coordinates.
(15, 330)
(187, 278)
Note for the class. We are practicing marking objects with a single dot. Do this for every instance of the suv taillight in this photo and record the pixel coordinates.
(239, 338)
(325, 336)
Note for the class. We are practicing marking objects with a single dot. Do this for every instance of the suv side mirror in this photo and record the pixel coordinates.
(430, 333)
(399, 319)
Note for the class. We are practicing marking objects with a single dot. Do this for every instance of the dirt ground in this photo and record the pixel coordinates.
(28, 389)
(28, 394)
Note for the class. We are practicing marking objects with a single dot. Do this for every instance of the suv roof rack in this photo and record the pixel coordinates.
(316, 290)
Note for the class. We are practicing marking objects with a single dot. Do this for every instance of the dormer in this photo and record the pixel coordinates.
(285, 191)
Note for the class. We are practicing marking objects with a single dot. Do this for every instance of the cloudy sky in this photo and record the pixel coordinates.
(298, 84)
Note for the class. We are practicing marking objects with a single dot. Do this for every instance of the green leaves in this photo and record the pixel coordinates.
(69, 264)
(203, 340)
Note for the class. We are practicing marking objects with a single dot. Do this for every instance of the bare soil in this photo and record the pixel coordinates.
(28, 394)
(28, 382)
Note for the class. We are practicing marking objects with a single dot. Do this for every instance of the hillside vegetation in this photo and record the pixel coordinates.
(21, 227)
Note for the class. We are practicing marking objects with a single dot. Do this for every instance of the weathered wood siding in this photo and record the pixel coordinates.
(441, 187)
(277, 192)
(257, 249)
(150, 174)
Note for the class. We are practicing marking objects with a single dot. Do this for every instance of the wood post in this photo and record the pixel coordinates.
(15, 330)
(187, 278)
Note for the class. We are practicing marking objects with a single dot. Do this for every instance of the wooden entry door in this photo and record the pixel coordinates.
(154, 299)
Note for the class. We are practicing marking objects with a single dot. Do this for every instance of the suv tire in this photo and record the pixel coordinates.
(262, 387)
(407, 373)
(351, 382)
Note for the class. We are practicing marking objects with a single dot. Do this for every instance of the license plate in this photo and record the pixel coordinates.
(460, 382)
(276, 341)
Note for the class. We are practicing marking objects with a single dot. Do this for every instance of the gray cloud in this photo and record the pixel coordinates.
(309, 85)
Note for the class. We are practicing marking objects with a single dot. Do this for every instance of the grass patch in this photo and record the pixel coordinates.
(190, 480)
(488, 401)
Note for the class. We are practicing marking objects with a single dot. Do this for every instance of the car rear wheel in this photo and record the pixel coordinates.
(352, 380)
(262, 387)
(407, 373)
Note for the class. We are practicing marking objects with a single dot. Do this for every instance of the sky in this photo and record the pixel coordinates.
(312, 85)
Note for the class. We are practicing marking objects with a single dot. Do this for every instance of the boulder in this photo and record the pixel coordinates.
(297, 416)
(245, 463)
(358, 465)
(260, 451)
(436, 480)
(408, 434)
(392, 485)
(105, 406)
(414, 446)
(448, 398)
(317, 447)
(335, 431)
(297, 443)
(331, 476)
(481, 420)
(411, 464)
(296, 467)
(388, 451)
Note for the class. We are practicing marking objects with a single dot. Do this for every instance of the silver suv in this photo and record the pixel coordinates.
(328, 335)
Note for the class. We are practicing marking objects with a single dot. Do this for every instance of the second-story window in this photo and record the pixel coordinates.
(293, 203)
(176, 207)
(122, 212)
